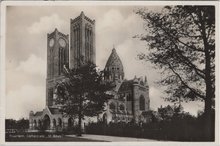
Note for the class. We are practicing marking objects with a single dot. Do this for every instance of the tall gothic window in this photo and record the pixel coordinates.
(88, 43)
(121, 107)
(50, 95)
(76, 44)
(112, 107)
(129, 97)
(59, 61)
(62, 56)
(51, 65)
(142, 102)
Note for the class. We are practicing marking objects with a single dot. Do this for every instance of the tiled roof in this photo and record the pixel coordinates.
(54, 111)
(114, 60)
(38, 113)
(126, 85)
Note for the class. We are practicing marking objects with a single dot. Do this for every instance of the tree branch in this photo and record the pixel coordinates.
(171, 36)
(190, 64)
(184, 83)
(173, 39)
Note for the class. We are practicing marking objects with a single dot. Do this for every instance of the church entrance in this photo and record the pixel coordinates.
(46, 122)
(70, 123)
(104, 118)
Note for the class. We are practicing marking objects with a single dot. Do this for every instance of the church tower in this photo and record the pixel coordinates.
(82, 41)
(114, 70)
(57, 58)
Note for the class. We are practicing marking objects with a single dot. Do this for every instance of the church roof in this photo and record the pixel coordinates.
(57, 32)
(114, 60)
(126, 85)
(54, 110)
(38, 113)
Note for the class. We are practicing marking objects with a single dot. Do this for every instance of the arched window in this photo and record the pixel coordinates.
(142, 102)
(70, 122)
(112, 106)
(39, 124)
(129, 97)
(46, 122)
(51, 62)
(35, 124)
(50, 95)
(60, 58)
(54, 123)
(121, 107)
(59, 122)
(104, 118)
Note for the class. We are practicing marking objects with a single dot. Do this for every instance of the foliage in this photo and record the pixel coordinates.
(166, 113)
(181, 42)
(180, 127)
(83, 93)
(21, 124)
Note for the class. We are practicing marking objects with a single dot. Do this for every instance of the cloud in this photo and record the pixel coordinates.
(22, 100)
(47, 24)
(115, 29)
(110, 19)
(156, 99)
(193, 107)
(26, 78)
(33, 65)
(26, 87)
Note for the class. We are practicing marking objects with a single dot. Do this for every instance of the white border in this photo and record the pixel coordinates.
(2, 75)
(4, 4)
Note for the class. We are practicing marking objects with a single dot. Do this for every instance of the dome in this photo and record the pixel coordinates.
(114, 68)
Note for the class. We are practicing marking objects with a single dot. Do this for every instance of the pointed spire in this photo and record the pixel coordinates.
(135, 79)
(113, 50)
(145, 81)
(56, 31)
(82, 14)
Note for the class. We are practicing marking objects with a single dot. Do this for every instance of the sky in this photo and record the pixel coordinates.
(26, 45)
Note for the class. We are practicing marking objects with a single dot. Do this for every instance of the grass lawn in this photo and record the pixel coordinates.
(49, 139)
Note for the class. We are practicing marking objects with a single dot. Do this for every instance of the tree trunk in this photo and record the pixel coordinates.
(79, 133)
(208, 98)
(209, 121)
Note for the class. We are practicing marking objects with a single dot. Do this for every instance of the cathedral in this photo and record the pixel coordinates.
(131, 97)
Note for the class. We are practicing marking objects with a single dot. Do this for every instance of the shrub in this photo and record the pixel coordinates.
(179, 128)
